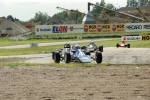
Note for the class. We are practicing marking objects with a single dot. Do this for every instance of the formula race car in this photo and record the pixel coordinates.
(92, 47)
(75, 54)
(122, 45)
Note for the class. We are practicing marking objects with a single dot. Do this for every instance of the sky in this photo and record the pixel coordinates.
(24, 10)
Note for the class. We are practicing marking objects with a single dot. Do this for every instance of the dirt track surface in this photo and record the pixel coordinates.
(96, 83)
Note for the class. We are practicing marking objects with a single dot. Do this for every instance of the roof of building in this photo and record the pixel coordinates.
(54, 20)
(15, 27)
(70, 22)
(133, 8)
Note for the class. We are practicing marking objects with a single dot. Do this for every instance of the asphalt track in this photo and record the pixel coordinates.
(111, 55)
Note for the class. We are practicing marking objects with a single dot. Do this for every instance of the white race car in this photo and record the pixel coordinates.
(92, 47)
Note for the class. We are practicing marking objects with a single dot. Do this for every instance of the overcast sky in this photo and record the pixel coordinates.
(26, 9)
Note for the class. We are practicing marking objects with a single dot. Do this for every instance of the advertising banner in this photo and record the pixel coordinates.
(131, 38)
(104, 28)
(119, 27)
(58, 29)
(137, 27)
(147, 37)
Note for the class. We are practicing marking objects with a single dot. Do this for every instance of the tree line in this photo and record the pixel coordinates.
(135, 3)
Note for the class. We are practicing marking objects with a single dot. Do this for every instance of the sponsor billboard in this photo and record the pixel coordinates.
(131, 38)
(137, 27)
(58, 29)
(146, 37)
(104, 28)
(119, 27)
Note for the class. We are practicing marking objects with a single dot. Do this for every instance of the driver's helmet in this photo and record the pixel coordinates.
(77, 46)
(67, 45)
(123, 42)
(92, 42)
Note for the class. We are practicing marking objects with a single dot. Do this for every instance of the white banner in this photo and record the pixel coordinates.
(58, 29)
(131, 38)
(17, 38)
(137, 27)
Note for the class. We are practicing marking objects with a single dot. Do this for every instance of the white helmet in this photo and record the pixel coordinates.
(77, 46)
(92, 42)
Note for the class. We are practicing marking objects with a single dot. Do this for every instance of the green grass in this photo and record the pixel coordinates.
(4, 41)
(15, 64)
(49, 49)
(112, 43)
(70, 65)
(33, 50)
(12, 59)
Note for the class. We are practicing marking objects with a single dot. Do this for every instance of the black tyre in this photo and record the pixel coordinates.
(117, 45)
(87, 53)
(95, 47)
(128, 45)
(98, 57)
(57, 57)
(101, 48)
(67, 57)
(53, 55)
(83, 47)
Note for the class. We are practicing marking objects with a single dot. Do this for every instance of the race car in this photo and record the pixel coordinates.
(122, 44)
(75, 54)
(92, 47)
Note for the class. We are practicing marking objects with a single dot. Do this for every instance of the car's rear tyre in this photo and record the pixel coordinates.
(53, 55)
(67, 57)
(128, 45)
(56, 57)
(117, 45)
(98, 57)
(83, 47)
(101, 48)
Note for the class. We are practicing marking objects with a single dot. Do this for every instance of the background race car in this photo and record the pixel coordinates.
(75, 54)
(122, 45)
(92, 47)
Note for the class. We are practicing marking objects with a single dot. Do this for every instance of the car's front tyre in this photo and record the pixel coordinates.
(67, 57)
(57, 57)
